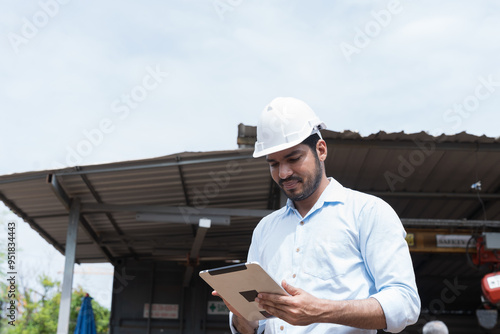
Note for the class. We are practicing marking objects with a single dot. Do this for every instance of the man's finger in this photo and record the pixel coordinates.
(289, 288)
(279, 311)
(215, 293)
(268, 298)
(272, 300)
(232, 309)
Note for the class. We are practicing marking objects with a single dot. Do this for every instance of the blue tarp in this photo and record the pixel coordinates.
(86, 321)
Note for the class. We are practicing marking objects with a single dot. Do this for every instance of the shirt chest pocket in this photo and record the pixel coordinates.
(327, 256)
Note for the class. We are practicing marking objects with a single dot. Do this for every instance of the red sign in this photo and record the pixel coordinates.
(162, 311)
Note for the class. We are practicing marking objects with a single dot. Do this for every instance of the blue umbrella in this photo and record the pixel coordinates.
(85, 323)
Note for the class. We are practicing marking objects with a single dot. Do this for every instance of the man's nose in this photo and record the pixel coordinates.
(285, 171)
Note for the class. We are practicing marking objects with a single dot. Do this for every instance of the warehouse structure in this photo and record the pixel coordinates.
(159, 221)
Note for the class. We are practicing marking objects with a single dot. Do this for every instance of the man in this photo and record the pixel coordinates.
(435, 327)
(340, 254)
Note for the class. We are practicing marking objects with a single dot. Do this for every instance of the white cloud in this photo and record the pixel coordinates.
(222, 72)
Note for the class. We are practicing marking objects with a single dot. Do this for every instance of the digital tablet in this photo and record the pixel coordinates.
(240, 284)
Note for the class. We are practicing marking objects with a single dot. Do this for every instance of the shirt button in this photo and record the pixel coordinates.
(301, 223)
(298, 250)
(294, 275)
(282, 327)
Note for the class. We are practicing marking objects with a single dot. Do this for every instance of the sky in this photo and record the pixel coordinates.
(90, 82)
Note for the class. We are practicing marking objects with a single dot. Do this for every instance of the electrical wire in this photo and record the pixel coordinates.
(477, 185)
(468, 255)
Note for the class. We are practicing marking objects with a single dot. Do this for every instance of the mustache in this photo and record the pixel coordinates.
(291, 178)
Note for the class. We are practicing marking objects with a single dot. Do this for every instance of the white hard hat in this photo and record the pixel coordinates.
(284, 123)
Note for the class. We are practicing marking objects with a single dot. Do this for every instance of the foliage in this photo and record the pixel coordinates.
(39, 314)
(3, 285)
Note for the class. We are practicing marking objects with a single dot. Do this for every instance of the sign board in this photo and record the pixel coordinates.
(452, 241)
(410, 239)
(492, 240)
(162, 311)
(217, 308)
(493, 282)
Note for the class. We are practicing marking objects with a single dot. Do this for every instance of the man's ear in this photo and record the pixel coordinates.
(321, 149)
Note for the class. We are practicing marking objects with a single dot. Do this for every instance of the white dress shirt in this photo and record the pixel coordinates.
(350, 245)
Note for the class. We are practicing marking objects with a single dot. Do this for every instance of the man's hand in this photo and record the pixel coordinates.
(300, 308)
(242, 325)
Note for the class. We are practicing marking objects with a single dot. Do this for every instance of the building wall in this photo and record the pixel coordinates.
(132, 288)
(136, 283)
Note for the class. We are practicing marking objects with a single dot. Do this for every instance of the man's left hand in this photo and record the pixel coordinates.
(299, 309)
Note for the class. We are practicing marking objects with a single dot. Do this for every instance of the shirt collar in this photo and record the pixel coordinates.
(334, 192)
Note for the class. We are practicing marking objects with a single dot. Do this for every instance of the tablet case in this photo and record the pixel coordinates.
(240, 284)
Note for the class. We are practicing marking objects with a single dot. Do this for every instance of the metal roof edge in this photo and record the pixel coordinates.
(177, 159)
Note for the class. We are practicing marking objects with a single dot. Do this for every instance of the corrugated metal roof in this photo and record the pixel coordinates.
(419, 175)
(228, 179)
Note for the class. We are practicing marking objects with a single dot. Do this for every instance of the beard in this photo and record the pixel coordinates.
(309, 187)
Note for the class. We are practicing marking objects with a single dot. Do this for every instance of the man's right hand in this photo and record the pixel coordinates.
(241, 324)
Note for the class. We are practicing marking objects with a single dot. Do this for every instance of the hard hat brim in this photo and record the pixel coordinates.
(281, 147)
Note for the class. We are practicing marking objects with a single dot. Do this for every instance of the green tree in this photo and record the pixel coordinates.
(39, 315)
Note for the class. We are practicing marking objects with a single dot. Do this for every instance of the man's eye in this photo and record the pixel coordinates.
(294, 159)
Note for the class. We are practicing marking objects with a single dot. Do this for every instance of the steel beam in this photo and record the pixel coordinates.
(183, 210)
(183, 183)
(151, 298)
(409, 144)
(181, 218)
(59, 215)
(66, 202)
(455, 223)
(23, 178)
(416, 194)
(194, 254)
(32, 223)
(187, 276)
(58, 190)
(198, 241)
(182, 258)
(69, 255)
(113, 222)
(157, 165)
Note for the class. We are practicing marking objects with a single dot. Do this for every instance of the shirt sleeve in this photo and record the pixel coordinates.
(260, 329)
(233, 330)
(388, 261)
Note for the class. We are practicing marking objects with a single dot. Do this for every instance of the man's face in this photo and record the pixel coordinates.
(296, 170)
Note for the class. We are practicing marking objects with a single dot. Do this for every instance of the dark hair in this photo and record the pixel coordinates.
(311, 141)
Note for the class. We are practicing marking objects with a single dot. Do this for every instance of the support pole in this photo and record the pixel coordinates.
(69, 254)
(151, 297)
(283, 199)
(204, 225)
